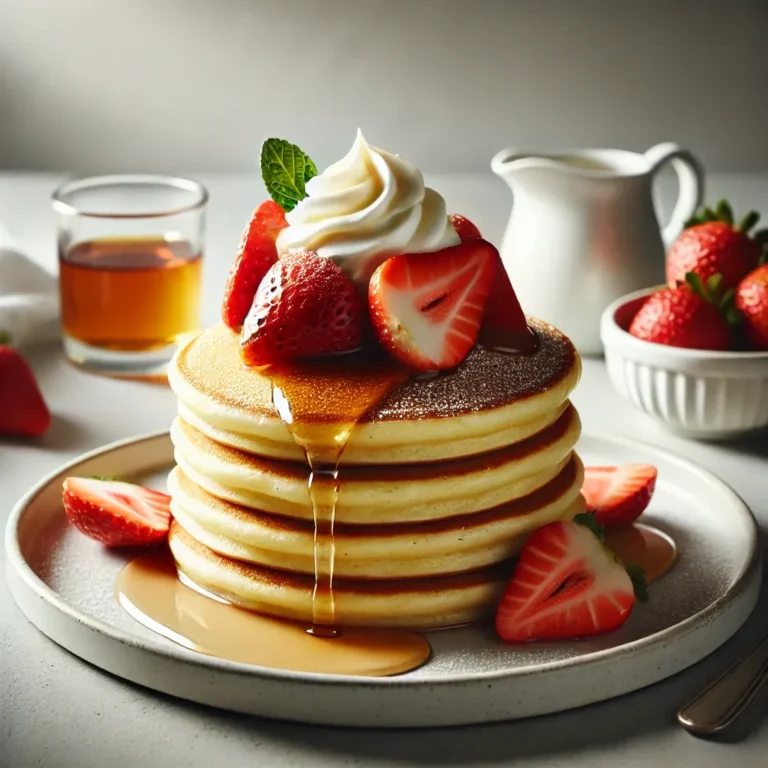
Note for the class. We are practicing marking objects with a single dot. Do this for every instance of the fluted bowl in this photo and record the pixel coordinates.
(695, 393)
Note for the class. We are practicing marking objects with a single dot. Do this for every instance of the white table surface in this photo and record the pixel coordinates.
(57, 711)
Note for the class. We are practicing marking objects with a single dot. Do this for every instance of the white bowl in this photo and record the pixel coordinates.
(696, 393)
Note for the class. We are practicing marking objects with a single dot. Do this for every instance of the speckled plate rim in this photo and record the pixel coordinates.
(63, 622)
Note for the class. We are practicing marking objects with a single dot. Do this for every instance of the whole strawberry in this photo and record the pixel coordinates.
(695, 315)
(752, 302)
(711, 244)
(305, 307)
(23, 411)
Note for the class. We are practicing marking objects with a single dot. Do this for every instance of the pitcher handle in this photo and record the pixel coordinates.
(690, 175)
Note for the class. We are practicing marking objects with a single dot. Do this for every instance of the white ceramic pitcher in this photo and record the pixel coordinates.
(584, 231)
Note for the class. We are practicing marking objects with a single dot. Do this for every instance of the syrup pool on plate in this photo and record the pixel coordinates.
(639, 544)
(149, 589)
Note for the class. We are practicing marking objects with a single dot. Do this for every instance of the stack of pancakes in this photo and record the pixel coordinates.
(440, 483)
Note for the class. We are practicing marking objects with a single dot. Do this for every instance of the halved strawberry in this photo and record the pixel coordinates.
(305, 307)
(465, 229)
(117, 514)
(618, 495)
(426, 308)
(505, 325)
(566, 585)
(256, 254)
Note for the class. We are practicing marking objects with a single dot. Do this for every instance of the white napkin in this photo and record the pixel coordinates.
(29, 297)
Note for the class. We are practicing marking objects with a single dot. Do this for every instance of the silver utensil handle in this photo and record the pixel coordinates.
(723, 700)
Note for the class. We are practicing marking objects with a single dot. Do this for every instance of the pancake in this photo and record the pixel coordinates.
(416, 603)
(441, 478)
(489, 401)
(381, 494)
(454, 545)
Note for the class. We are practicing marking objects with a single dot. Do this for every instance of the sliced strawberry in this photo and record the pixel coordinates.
(618, 495)
(117, 514)
(505, 325)
(305, 307)
(256, 254)
(566, 585)
(23, 411)
(426, 308)
(465, 229)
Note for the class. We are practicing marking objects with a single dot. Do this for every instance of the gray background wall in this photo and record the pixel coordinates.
(195, 85)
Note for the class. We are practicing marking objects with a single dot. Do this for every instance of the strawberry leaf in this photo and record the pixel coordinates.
(748, 221)
(714, 283)
(692, 222)
(588, 520)
(105, 478)
(694, 281)
(285, 170)
(709, 215)
(724, 211)
(637, 575)
(733, 317)
(5, 337)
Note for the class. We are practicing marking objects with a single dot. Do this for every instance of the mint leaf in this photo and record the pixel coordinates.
(310, 169)
(285, 170)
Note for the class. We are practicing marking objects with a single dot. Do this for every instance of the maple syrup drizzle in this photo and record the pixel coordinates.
(303, 396)
(154, 594)
(639, 544)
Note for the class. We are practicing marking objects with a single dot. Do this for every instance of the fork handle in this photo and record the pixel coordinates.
(723, 700)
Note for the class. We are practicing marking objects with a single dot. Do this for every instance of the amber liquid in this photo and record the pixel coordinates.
(653, 550)
(301, 395)
(149, 589)
(130, 294)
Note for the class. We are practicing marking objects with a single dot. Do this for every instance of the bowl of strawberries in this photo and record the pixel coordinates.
(693, 354)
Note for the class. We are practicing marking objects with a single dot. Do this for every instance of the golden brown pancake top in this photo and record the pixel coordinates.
(322, 390)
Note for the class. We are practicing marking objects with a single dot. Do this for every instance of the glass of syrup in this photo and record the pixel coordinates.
(130, 253)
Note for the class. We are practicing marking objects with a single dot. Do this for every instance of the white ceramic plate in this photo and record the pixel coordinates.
(64, 584)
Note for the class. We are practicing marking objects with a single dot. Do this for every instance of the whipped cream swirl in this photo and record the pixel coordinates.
(365, 208)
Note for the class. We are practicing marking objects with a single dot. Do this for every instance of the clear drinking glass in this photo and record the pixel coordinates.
(130, 264)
